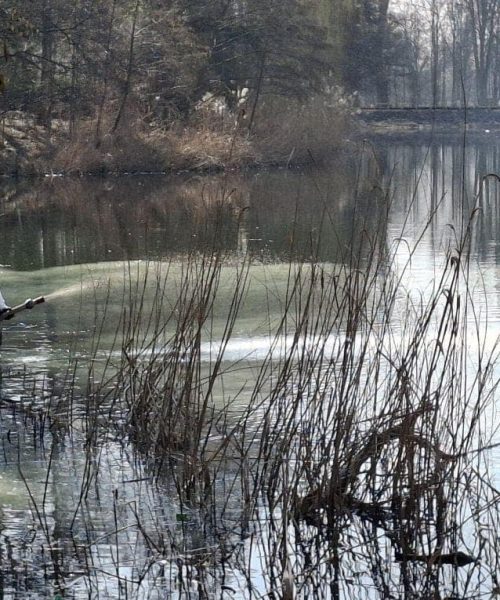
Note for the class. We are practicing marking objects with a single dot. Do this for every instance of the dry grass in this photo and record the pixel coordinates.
(128, 149)
(209, 149)
(352, 426)
(136, 147)
(281, 134)
(295, 133)
(357, 446)
(23, 144)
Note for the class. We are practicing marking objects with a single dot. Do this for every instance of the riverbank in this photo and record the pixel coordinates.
(207, 142)
(383, 134)
(397, 123)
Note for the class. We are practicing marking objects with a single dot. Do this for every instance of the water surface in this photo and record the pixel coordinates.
(81, 242)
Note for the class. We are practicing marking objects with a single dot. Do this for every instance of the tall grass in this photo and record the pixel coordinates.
(370, 444)
(351, 462)
(282, 133)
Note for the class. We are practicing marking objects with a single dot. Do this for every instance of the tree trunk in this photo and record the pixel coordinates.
(382, 78)
(47, 66)
(130, 68)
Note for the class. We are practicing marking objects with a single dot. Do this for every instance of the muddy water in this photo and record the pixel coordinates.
(81, 242)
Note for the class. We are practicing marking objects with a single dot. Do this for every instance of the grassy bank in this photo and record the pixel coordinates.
(208, 141)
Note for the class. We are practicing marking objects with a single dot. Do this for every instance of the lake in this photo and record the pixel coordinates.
(87, 512)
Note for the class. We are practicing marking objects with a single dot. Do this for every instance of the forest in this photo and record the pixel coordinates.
(173, 78)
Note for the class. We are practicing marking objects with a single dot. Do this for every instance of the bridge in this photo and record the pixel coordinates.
(427, 115)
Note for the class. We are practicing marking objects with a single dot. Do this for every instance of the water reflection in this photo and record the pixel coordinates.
(49, 233)
(48, 230)
(111, 526)
(447, 180)
(270, 214)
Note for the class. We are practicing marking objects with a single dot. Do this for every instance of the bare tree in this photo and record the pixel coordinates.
(483, 15)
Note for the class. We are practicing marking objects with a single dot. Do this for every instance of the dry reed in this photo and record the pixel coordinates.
(354, 468)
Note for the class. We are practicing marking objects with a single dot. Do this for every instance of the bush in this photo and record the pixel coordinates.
(294, 133)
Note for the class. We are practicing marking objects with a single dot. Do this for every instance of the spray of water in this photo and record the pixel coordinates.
(70, 290)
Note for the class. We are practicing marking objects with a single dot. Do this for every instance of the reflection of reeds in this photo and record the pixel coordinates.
(116, 218)
(351, 459)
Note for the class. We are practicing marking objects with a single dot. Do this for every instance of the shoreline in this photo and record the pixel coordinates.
(301, 136)
(397, 130)
(29, 173)
(301, 160)
(38, 156)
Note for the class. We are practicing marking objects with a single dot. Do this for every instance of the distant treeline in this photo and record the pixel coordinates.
(163, 58)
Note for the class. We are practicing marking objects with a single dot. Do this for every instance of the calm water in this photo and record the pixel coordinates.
(69, 239)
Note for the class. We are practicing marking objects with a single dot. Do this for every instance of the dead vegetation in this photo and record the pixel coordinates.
(296, 133)
(352, 458)
(24, 144)
(208, 141)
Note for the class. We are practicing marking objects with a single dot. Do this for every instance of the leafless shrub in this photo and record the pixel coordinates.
(128, 149)
(355, 457)
(294, 133)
